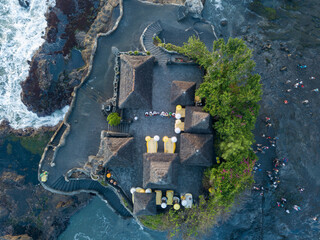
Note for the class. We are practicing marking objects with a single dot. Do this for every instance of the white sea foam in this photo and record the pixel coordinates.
(20, 36)
(217, 4)
(81, 236)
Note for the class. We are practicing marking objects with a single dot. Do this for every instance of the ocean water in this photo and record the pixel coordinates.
(20, 36)
(97, 222)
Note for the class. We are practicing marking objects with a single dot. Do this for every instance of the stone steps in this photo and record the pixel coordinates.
(87, 184)
(153, 30)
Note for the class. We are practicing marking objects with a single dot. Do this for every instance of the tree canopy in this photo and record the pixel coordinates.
(231, 91)
(114, 119)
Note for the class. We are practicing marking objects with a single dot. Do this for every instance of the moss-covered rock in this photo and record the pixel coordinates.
(267, 12)
(34, 143)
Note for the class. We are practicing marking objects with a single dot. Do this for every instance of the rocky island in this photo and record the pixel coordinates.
(154, 93)
(276, 62)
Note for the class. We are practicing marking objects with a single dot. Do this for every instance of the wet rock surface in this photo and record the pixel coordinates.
(71, 24)
(32, 211)
(26, 207)
(6, 130)
(24, 3)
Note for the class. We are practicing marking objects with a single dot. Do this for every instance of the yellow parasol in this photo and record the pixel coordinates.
(176, 206)
(140, 190)
(165, 139)
(148, 138)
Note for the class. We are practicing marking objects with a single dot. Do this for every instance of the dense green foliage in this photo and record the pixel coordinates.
(114, 119)
(231, 92)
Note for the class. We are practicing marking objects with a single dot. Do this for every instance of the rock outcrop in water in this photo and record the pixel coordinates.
(6, 130)
(72, 23)
(24, 3)
(31, 210)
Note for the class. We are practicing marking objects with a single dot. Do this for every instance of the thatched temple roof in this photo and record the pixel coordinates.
(197, 121)
(182, 93)
(144, 204)
(116, 151)
(136, 75)
(196, 149)
(159, 170)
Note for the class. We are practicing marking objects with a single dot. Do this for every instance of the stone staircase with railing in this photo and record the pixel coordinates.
(88, 185)
(147, 42)
(121, 128)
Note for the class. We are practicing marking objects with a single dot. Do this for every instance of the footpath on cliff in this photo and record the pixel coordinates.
(33, 210)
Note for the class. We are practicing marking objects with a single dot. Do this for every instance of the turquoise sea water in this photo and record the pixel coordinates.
(98, 222)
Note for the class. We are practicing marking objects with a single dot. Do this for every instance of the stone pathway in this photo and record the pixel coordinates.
(150, 32)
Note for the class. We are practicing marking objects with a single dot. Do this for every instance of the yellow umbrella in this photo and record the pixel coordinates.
(178, 107)
(178, 121)
(148, 138)
(176, 206)
(197, 98)
(140, 190)
(165, 139)
(44, 178)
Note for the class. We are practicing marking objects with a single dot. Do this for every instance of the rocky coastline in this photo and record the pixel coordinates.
(6, 130)
(33, 212)
(27, 210)
(72, 24)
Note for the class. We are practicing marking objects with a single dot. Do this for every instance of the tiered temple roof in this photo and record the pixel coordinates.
(196, 149)
(182, 92)
(136, 75)
(159, 170)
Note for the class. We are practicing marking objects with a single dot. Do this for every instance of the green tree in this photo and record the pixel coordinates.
(231, 91)
(114, 119)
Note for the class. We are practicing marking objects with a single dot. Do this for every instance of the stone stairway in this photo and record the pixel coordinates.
(92, 93)
(122, 128)
(89, 185)
(153, 30)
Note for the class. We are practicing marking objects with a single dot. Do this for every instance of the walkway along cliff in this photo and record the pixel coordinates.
(76, 142)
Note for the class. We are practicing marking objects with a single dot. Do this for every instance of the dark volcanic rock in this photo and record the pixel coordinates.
(6, 130)
(41, 91)
(32, 210)
(24, 3)
(224, 22)
(71, 23)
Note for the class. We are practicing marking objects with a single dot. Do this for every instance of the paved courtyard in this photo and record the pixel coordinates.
(189, 177)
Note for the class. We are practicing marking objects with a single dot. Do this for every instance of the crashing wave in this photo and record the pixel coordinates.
(20, 36)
